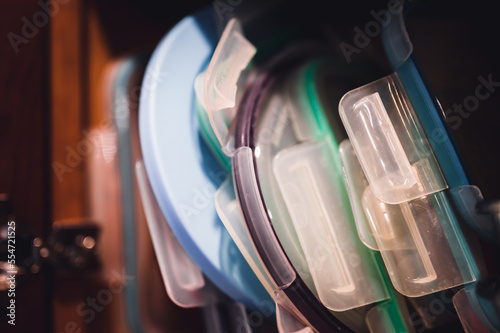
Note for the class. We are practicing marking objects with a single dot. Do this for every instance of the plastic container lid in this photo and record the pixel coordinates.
(214, 122)
(183, 173)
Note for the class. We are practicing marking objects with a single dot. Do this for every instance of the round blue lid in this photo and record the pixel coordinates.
(183, 172)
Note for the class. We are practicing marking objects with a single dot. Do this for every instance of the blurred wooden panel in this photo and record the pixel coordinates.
(87, 37)
(24, 130)
(68, 67)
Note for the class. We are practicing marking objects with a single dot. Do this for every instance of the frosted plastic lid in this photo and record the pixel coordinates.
(344, 272)
(389, 141)
(232, 55)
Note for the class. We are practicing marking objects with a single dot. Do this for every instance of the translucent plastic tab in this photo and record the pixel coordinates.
(343, 270)
(466, 199)
(420, 243)
(470, 313)
(182, 278)
(390, 142)
(229, 212)
(356, 184)
(232, 55)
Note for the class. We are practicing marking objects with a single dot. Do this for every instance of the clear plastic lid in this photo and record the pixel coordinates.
(232, 55)
(389, 141)
(182, 278)
(420, 242)
(343, 270)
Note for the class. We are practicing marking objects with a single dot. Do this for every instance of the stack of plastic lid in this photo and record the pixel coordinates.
(244, 175)
(344, 273)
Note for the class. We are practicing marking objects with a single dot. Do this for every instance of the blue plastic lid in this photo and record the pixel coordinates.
(183, 172)
(400, 52)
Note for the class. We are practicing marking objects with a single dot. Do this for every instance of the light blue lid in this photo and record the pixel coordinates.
(182, 170)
